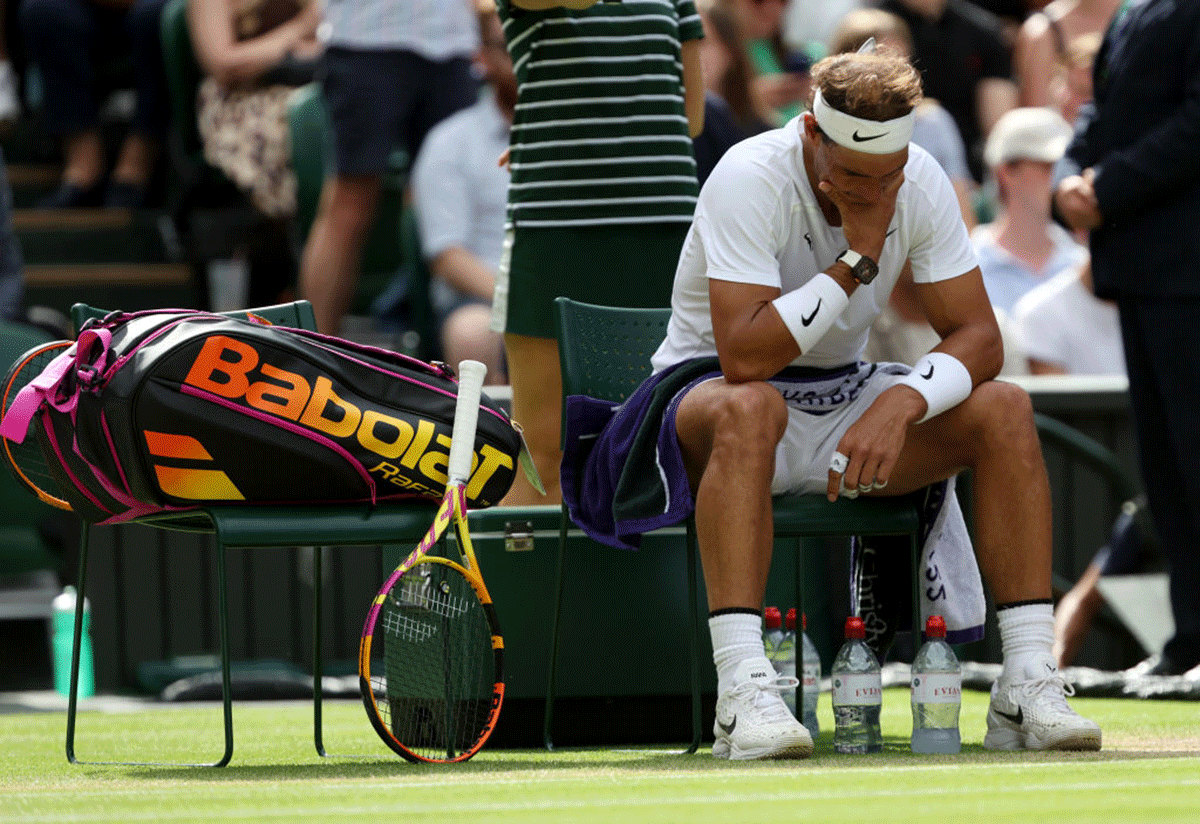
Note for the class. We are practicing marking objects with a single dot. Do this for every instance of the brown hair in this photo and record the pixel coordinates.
(736, 86)
(878, 86)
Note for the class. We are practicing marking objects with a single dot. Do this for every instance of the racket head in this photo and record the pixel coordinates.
(25, 460)
(431, 664)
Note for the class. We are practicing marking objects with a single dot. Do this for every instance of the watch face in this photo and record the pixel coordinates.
(865, 270)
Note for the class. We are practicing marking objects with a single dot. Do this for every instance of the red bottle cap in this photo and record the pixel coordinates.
(791, 618)
(772, 618)
(935, 627)
(855, 628)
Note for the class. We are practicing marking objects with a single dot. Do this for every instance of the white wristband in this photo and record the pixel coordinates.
(810, 310)
(942, 380)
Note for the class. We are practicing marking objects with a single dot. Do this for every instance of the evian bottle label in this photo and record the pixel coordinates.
(937, 688)
(857, 689)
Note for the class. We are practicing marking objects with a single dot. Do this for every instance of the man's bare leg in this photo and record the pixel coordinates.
(332, 257)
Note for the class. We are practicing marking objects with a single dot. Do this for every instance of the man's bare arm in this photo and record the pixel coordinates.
(960, 312)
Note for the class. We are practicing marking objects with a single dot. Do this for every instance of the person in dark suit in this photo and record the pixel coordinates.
(1132, 178)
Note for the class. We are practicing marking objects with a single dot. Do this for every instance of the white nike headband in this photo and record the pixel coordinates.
(860, 135)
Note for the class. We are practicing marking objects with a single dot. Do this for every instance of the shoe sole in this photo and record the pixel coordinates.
(1002, 736)
(726, 750)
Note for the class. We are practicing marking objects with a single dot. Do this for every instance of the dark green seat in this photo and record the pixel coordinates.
(605, 353)
(245, 527)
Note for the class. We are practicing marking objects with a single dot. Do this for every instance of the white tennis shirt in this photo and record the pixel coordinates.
(757, 221)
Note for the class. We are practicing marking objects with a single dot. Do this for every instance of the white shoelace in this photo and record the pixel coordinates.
(766, 695)
(1051, 688)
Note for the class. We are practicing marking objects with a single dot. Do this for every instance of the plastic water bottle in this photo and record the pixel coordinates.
(64, 634)
(772, 633)
(810, 674)
(785, 659)
(857, 694)
(936, 693)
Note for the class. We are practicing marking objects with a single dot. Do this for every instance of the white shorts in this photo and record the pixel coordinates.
(819, 413)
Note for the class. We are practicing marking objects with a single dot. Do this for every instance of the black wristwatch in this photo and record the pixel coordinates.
(862, 267)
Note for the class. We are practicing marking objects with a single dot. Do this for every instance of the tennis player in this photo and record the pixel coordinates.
(799, 236)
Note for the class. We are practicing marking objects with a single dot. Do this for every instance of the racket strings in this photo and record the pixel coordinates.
(435, 652)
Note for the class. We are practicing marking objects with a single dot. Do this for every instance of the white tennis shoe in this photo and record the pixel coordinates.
(753, 722)
(1032, 713)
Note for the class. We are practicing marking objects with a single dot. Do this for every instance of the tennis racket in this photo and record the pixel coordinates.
(430, 659)
(25, 459)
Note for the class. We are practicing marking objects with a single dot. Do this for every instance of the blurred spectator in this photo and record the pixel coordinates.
(253, 53)
(10, 98)
(1042, 53)
(459, 194)
(732, 109)
(70, 41)
(603, 182)
(1064, 329)
(782, 82)
(965, 63)
(392, 69)
(808, 25)
(1077, 82)
(12, 281)
(1023, 246)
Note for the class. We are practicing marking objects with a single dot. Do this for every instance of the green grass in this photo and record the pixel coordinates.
(1149, 770)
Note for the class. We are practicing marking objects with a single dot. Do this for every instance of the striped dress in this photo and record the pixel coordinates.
(600, 134)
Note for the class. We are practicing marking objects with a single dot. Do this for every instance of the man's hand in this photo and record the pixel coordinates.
(873, 443)
(866, 212)
(1077, 203)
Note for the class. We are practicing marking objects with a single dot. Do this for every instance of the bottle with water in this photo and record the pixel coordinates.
(810, 674)
(785, 659)
(936, 693)
(857, 694)
(63, 637)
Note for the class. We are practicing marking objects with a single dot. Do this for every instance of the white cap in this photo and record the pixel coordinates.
(1030, 133)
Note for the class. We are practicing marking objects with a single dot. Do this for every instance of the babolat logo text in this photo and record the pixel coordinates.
(234, 369)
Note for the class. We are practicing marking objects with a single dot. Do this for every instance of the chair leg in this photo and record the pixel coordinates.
(552, 665)
(799, 619)
(692, 550)
(318, 660)
(76, 642)
(226, 686)
(914, 546)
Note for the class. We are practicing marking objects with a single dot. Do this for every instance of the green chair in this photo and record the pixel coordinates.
(605, 353)
(248, 527)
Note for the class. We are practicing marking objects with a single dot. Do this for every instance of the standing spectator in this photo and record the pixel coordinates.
(782, 72)
(392, 69)
(965, 63)
(69, 40)
(732, 108)
(1132, 178)
(603, 183)
(1042, 52)
(1023, 246)
(1064, 329)
(459, 195)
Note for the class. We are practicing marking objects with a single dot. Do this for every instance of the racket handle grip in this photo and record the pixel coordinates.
(466, 415)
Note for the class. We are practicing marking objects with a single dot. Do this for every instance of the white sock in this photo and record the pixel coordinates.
(736, 636)
(1026, 637)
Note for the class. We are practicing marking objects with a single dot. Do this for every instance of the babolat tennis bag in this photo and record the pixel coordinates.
(151, 412)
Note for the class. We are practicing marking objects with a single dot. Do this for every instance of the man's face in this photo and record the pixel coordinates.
(860, 177)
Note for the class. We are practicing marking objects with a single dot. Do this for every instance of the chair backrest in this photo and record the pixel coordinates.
(297, 314)
(604, 351)
(182, 75)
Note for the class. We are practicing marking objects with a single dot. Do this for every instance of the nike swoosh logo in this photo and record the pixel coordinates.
(1018, 718)
(807, 320)
(927, 376)
(860, 139)
(890, 232)
(728, 728)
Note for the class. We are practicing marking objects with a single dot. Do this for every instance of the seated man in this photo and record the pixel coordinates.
(799, 235)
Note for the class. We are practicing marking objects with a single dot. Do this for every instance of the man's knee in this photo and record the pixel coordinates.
(753, 412)
(1002, 414)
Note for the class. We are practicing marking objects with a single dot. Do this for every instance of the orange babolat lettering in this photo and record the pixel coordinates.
(231, 368)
